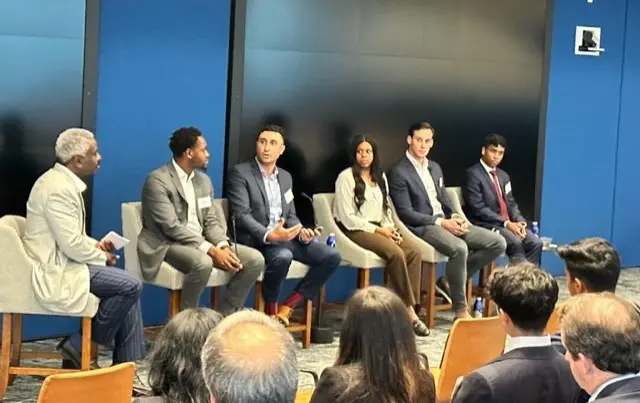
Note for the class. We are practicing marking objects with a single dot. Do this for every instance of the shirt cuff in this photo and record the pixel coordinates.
(223, 244)
(266, 234)
(205, 246)
(504, 224)
(439, 222)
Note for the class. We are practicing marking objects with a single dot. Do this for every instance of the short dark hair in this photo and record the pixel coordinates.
(594, 261)
(495, 140)
(271, 128)
(183, 139)
(526, 293)
(605, 328)
(420, 126)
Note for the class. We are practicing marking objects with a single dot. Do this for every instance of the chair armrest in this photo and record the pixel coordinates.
(428, 252)
(454, 195)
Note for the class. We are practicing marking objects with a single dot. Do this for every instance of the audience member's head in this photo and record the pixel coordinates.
(377, 335)
(189, 148)
(249, 358)
(601, 333)
(526, 297)
(77, 149)
(591, 265)
(175, 369)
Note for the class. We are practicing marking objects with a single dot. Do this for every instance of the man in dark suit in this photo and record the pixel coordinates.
(261, 201)
(489, 202)
(181, 226)
(416, 186)
(530, 370)
(601, 333)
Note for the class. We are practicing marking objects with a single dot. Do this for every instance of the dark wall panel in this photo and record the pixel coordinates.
(331, 69)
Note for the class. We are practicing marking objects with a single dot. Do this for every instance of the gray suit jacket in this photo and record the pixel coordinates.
(249, 205)
(56, 241)
(164, 217)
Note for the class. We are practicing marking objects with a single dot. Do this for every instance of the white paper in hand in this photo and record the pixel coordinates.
(117, 240)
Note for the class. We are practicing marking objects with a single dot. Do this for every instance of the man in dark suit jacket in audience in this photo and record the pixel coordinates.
(530, 370)
(416, 186)
(261, 202)
(601, 333)
(489, 202)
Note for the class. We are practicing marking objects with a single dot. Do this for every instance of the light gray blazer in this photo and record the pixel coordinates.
(56, 241)
(165, 213)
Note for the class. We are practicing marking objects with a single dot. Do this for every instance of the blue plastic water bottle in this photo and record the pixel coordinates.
(331, 240)
(478, 306)
(534, 228)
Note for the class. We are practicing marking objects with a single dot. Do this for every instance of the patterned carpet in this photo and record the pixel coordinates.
(317, 357)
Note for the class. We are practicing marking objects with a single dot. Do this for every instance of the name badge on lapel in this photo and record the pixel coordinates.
(440, 182)
(507, 188)
(204, 202)
(288, 196)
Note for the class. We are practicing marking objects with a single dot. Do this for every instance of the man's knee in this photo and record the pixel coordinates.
(459, 249)
(496, 242)
(281, 258)
(332, 257)
(253, 261)
(132, 287)
(202, 265)
(536, 243)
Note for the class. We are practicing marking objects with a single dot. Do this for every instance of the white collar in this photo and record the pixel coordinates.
(527, 341)
(487, 167)
(415, 162)
(77, 182)
(181, 173)
(600, 388)
(264, 172)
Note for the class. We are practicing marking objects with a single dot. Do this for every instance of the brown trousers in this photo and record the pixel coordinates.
(404, 263)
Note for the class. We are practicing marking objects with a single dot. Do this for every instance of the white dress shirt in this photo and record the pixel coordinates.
(527, 341)
(429, 185)
(372, 210)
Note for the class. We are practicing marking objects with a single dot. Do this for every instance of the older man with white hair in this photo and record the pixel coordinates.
(69, 264)
(250, 358)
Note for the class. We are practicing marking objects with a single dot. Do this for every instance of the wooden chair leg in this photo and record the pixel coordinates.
(430, 304)
(215, 298)
(5, 358)
(469, 291)
(258, 300)
(363, 278)
(306, 335)
(174, 303)
(322, 295)
(485, 274)
(85, 355)
(16, 344)
(94, 352)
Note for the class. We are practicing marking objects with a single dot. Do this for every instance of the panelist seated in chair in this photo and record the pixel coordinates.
(69, 265)
(363, 212)
(260, 198)
(180, 225)
(530, 370)
(489, 202)
(416, 186)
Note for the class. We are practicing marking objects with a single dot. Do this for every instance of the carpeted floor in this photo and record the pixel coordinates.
(317, 357)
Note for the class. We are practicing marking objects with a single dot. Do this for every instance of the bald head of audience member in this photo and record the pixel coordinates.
(601, 333)
(250, 358)
(591, 265)
(526, 296)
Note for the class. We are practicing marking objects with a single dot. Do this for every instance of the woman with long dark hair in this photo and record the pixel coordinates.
(175, 370)
(378, 361)
(363, 212)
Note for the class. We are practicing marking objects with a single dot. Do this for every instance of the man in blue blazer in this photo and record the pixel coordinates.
(264, 217)
(416, 186)
(489, 202)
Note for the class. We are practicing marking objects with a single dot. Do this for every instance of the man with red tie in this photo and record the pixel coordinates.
(489, 201)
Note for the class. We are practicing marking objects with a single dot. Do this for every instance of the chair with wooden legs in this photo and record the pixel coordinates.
(17, 298)
(168, 277)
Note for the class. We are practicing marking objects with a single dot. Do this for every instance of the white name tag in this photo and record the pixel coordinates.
(204, 202)
(507, 188)
(288, 196)
(440, 182)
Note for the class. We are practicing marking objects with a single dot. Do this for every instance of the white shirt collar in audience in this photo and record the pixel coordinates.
(595, 394)
(415, 162)
(181, 173)
(527, 341)
(487, 167)
(79, 184)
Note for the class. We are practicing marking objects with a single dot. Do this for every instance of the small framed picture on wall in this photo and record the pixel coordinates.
(587, 42)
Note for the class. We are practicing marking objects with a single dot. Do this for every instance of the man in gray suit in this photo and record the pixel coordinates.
(180, 226)
(69, 265)
(416, 186)
(261, 200)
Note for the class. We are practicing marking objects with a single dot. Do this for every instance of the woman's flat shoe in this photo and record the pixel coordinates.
(420, 329)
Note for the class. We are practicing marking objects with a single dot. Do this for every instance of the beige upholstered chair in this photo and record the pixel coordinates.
(17, 298)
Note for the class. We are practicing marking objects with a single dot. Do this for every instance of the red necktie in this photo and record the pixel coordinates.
(502, 204)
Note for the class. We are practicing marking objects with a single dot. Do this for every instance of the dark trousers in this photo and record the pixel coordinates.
(529, 248)
(321, 259)
(118, 322)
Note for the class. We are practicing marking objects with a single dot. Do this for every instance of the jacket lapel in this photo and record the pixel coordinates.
(257, 175)
(416, 178)
(175, 180)
(196, 190)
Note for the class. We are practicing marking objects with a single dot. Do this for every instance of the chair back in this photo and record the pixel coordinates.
(106, 385)
(471, 344)
(131, 227)
(455, 194)
(16, 291)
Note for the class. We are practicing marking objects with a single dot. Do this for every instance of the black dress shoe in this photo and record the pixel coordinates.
(420, 329)
(442, 289)
(69, 353)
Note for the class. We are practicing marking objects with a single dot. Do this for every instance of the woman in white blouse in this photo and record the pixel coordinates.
(362, 210)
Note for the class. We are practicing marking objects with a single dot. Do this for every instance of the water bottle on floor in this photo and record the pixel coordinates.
(535, 229)
(478, 308)
(331, 240)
